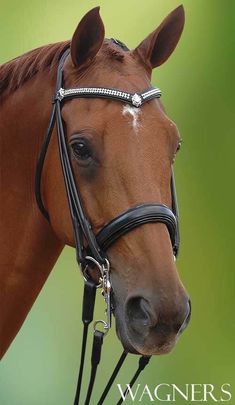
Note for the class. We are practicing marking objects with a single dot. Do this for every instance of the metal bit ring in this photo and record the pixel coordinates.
(100, 267)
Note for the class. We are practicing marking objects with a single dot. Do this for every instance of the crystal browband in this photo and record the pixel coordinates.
(135, 99)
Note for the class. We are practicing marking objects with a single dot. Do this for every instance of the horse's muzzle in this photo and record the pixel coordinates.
(151, 330)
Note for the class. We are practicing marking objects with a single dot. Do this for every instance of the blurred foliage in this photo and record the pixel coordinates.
(198, 91)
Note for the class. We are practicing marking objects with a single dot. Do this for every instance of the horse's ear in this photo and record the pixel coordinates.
(87, 38)
(159, 45)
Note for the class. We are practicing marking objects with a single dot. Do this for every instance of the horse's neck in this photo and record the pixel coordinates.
(28, 246)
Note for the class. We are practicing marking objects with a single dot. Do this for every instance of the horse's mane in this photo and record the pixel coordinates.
(18, 71)
(15, 73)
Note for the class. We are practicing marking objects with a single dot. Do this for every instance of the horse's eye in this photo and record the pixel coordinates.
(81, 150)
(179, 145)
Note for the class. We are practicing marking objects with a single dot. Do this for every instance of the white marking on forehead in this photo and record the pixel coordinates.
(134, 112)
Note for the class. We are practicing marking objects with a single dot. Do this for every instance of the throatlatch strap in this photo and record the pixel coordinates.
(40, 164)
(47, 139)
(143, 361)
(87, 317)
(95, 359)
(112, 378)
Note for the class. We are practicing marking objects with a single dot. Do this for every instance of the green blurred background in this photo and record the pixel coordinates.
(41, 366)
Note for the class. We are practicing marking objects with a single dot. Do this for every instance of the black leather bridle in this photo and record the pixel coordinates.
(92, 249)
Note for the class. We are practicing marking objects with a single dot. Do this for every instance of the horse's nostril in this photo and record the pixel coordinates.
(136, 309)
(139, 314)
(142, 318)
(186, 318)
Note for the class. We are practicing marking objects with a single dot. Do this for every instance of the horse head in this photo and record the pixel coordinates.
(122, 156)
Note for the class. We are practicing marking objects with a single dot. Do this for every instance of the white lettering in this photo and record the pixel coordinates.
(157, 388)
(208, 389)
(226, 392)
(172, 393)
(183, 395)
(195, 392)
(128, 390)
(146, 391)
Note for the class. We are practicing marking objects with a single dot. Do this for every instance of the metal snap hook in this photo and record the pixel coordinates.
(105, 284)
(105, 326)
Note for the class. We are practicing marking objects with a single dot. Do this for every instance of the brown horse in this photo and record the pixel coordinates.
(126, 160)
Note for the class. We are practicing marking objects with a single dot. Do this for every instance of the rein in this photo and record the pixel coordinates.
(90, 248)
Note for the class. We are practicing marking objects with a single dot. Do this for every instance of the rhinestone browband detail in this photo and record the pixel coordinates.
(135, 99)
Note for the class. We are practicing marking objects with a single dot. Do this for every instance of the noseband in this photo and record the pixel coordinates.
(92, 249)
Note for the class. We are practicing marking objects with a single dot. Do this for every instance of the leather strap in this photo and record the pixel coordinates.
(133, 218)
(134, 99)
(112, 378)
(44, 148)
(143, 361)
(40, 163)
(95, 360)
(89, 296)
